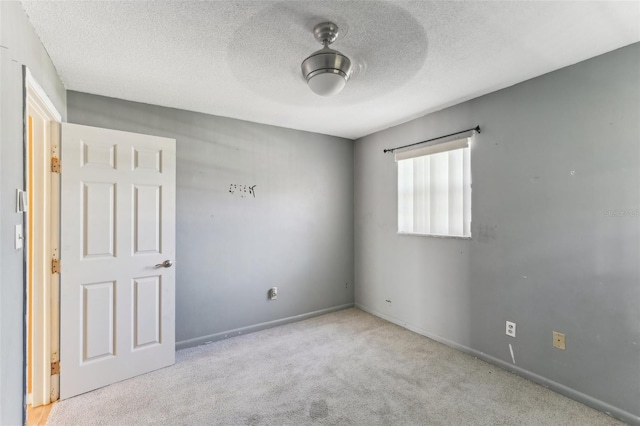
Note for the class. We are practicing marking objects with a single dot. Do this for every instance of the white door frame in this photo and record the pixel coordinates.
(44, 344)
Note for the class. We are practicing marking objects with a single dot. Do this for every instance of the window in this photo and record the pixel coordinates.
(434, 190)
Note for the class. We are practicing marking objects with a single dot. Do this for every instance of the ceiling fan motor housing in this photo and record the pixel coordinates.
(326, 60)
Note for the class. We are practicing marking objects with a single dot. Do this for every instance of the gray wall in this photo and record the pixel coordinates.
(544, 252)
(19, 45)
(555, 153)
(296, 234)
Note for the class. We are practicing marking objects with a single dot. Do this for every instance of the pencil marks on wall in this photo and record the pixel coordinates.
(243, 191)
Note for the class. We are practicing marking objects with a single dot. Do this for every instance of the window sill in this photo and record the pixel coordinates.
(415, 234)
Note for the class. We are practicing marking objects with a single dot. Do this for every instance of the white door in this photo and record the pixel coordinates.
(117, 231)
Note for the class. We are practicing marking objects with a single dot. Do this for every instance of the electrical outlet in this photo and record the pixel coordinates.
(273, 293)
(559, 340)
(511, 329)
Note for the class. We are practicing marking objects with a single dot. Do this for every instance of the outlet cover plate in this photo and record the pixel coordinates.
(273, 293)
(511, 329)
(559, 341)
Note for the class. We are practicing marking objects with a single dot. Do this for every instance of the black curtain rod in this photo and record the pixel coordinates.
(477, 129)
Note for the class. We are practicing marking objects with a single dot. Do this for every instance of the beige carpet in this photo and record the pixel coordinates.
(344, 368)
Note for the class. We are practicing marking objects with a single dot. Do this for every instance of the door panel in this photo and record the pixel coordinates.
(98, 320)
(147, 314)
(98, 219)
(118, 224)
(146, 211)
(98, 154)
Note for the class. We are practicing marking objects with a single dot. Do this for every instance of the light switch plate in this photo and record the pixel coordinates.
(21, 201)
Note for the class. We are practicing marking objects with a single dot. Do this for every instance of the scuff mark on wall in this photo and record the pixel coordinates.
(486, 233)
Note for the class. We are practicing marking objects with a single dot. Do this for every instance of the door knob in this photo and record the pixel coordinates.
(166, 264)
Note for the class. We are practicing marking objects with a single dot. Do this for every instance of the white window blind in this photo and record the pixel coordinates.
(434, 189)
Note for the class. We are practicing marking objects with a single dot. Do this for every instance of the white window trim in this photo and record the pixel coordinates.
(418, 234)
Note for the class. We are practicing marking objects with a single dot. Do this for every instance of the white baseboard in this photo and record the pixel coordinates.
(257, 327)
(585, 399)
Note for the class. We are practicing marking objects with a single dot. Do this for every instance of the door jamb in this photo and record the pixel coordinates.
(47, 333)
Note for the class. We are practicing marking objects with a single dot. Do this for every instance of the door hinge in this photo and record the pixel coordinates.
(55, 266)
(55, 367)
(55, 165)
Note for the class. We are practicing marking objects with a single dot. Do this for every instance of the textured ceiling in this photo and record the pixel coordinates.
(242, 59)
